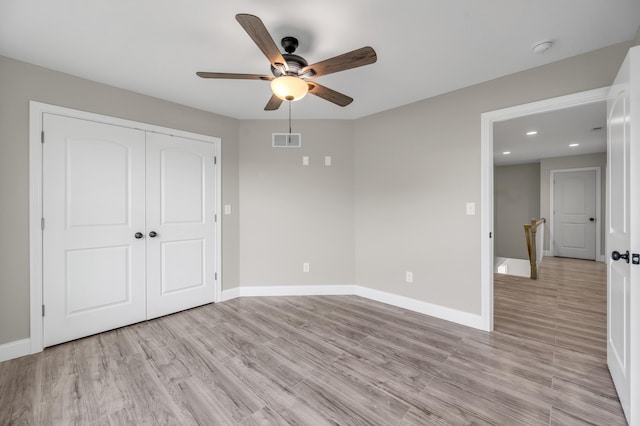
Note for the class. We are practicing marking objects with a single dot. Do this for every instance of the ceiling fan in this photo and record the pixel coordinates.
(291, 73)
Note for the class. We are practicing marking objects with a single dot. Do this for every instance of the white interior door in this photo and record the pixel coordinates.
(574, 214)
(623, 210)
(180, 224)
(93, 204)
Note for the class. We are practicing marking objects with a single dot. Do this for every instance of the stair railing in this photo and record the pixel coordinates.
(534, 234)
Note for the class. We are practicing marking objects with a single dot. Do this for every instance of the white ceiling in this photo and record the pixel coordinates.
(425, 47)
(556, 131)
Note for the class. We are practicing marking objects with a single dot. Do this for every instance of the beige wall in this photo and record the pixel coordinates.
(516, 199)
(416, 166)
(572, 162)
(20, 83)
(290, 213)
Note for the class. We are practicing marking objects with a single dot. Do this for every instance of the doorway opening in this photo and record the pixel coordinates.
(511, 120)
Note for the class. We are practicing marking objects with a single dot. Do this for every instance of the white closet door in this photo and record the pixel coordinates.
(180, 224)
(93, 204)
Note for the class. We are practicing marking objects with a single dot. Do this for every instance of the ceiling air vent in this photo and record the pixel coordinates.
(287, 140)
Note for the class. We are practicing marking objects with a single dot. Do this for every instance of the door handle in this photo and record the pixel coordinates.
(153, 234)
(615, 255)
(592, 219)
(139, 235)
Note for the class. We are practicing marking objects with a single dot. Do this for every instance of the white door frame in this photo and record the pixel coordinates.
(598, 255)
(36, 112)
(487, 120)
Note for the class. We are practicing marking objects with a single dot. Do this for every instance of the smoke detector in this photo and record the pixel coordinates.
(543, 46)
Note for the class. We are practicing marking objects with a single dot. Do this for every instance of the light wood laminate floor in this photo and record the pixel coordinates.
(336, 360)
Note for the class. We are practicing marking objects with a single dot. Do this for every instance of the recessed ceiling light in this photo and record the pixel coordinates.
(532, 133)
(506, 153)
(573, 145)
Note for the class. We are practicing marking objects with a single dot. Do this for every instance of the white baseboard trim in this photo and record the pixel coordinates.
(599, 257)
(232, 293)
(297, 290)
(437, 311)
(23, 347)
(15, 349)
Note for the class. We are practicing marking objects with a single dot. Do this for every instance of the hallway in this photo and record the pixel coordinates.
(563, 314)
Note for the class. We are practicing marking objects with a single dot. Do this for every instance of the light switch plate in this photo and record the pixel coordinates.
(471, 209)
(227, 209)
(305, 160)
(327, 160)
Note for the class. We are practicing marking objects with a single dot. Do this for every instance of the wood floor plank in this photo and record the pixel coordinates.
(344, 360)
(582, 402)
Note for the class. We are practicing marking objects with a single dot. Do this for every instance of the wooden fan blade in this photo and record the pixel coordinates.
(346, 61)
(233, 76)
(329, 94)
(273, 104)
(261, 37)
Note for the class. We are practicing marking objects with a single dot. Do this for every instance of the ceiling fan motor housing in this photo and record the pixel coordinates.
(294, 62)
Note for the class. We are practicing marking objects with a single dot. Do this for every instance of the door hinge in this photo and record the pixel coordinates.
(490, 234)
(216, 276)
(42, 223)
(215, 160)
(215, 218)
(42, 310)
(42, 136)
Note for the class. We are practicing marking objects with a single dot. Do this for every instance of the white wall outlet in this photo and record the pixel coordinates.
(471, 209)
(305, 267)
(327, 160)
(305, 160)
(408, 276)
(227, 209)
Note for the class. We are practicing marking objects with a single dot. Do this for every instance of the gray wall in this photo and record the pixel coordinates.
(413, 170)
(573, 162)
(516, 192)
(416, 166)
(20, 83)
(290, 213)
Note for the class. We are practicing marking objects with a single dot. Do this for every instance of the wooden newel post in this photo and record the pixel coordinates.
(530, 231)
(533, 250)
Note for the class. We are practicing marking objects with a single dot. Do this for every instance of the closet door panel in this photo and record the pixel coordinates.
(93, 204)
(180, 224)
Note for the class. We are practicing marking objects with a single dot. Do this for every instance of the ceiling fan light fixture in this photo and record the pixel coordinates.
(289, 88)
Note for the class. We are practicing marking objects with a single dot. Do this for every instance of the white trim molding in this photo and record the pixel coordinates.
(487, 120)
(232, 293)
(425, 308)
(25, 346)
(15, 349)
(290, 290)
